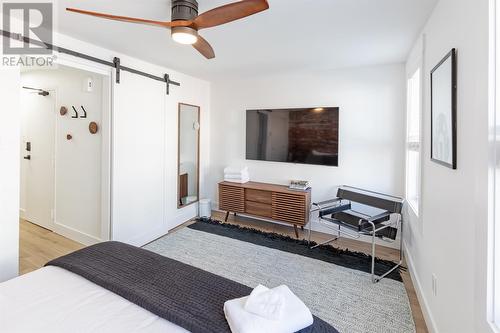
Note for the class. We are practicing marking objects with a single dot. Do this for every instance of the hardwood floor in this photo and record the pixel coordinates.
(353, 245)
(39, 245)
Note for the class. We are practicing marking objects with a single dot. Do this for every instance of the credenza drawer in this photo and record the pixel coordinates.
(258, 209)
(258, 196)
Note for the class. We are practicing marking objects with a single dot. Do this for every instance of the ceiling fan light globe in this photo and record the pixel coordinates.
(184, 38)
(184, 35)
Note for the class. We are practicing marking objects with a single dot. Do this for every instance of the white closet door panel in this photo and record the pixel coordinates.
(138, 197)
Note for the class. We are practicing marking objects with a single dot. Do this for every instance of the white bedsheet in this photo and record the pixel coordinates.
(52, 299)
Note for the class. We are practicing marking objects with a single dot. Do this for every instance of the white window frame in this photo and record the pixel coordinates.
(412, 144)
(414, 64)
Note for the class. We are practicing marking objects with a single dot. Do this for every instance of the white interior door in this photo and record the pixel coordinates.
(37, 158)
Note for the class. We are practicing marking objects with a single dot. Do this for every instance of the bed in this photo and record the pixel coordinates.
(115, 287)
(52, 299)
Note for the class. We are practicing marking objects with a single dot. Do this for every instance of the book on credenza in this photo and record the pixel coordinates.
(299, 185)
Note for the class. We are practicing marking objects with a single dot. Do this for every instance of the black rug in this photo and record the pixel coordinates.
(342, 257)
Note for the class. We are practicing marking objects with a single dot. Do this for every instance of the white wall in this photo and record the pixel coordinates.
(449, 240)
(9, 172)
(77, 161)
(195, 92)
(371, 147)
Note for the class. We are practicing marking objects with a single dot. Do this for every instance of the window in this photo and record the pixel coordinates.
(413, 141)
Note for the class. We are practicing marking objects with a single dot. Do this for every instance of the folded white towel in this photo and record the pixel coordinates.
(235, 169)
(264, 302)
(236, 176)
(238, 180)
(242, 181)
(295, 316)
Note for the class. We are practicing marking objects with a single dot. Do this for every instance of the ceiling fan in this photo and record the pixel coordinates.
(186, 22)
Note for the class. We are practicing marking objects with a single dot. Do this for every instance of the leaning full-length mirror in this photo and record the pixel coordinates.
(188, 159)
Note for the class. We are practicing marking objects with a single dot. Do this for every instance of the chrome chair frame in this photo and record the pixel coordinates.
(317, 207)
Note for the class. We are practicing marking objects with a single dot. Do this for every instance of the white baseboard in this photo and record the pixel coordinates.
(424, 305)
(75, 235)
(22, 213)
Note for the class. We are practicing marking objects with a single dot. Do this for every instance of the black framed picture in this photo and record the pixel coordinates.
(444, 111)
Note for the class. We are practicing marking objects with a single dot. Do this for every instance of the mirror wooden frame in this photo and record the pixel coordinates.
(179, 205)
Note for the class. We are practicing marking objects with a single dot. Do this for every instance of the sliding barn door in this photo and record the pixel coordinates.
(138, 163)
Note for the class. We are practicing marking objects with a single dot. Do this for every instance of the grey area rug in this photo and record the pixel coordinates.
(344, 297)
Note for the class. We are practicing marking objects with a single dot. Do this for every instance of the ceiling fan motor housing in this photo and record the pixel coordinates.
(184, 10)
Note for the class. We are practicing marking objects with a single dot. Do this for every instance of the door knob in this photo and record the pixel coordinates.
(27, 157)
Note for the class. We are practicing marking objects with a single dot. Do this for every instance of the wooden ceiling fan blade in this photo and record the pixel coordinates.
(204, 48)
(131, 19)
(230, 12)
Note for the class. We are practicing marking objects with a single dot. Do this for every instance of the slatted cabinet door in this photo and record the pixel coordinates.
(289, 207)
(231, 198)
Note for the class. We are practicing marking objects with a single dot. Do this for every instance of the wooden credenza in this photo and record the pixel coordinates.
(275, 202)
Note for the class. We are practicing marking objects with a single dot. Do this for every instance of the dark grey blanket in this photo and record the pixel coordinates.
(182, 294)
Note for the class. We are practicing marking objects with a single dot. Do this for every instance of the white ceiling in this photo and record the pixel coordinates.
(291, 35)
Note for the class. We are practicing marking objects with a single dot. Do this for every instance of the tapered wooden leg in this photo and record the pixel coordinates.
(227, 215)
(302, 227)
(296, 231)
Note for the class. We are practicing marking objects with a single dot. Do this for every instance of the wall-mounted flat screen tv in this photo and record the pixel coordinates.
(306, 135)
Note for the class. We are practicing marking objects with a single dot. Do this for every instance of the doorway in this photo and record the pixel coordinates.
(65, 154)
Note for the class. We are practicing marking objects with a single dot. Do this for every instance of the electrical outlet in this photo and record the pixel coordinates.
(434, 285)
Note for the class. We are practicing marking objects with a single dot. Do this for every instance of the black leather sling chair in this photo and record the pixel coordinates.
(348, 214)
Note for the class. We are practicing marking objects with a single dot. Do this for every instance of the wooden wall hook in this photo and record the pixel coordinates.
(69, 137)
(63, 110)
(93, 127)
